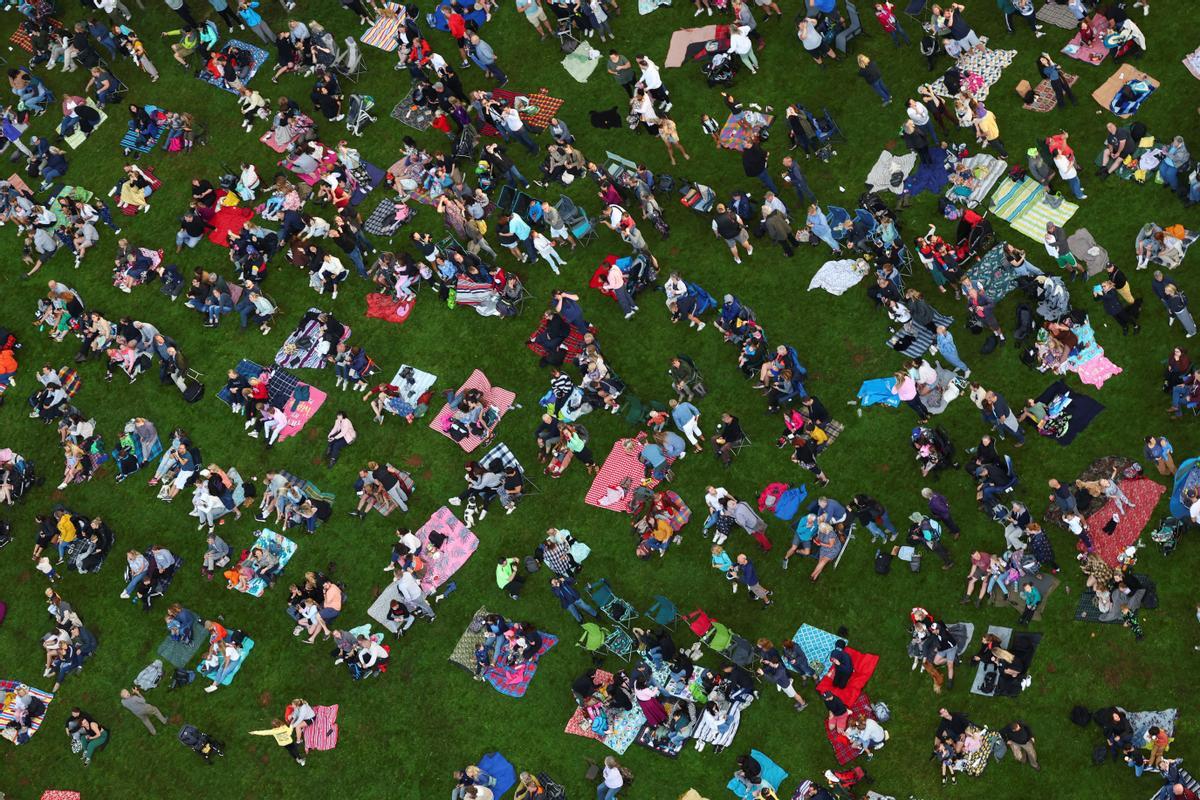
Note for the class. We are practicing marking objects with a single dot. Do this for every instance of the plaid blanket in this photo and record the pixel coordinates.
(494, 397)
(310, 351)
(739, 132)
(545, 108)
(179, 654)
(514, 680)
(843, 750)
(21, 38)
(384, 221)
(463, 653)
(1144, 493)
(414, 116)
(572, 347)
(621, 473)
(1094, 53)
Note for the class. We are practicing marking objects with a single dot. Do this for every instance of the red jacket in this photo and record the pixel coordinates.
(457, 25)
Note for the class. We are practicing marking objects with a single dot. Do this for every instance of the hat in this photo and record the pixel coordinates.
(727, 299)
(916, 516)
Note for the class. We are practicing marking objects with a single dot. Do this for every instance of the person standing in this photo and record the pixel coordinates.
(939, 509)
(1065, 163)
(248, 12)
(793, 175)
(535, 16)
(185, 13)
(869, 71)
(1177, 303)
(919, 114)
(485, 58)
(687, 418)
(286, 737)
(611, 780)
(564, 589)
(944, 342)
(775, 225)
(748, 575)
(621, 70)
(614, 282)
(1019, 738)
(727, 225)
(917, 141)
(225, 13)
(137, 705)
(516, 128)
(755, 163)
(886, 14)
(988, 129)
(1160, 451)
(668, 131)
(1032, 598)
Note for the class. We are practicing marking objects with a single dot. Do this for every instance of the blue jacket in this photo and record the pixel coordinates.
(566, 593)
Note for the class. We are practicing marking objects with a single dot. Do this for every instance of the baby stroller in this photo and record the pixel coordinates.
(975, 237)
(207, 747)
(721, 70)
(935, 451)
(358, 113)
(1167, 535)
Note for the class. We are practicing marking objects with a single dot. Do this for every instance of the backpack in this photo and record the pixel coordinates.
(989, 682)
(531, 564)
(883, 562)
(181, 677)
(149, 677)
(881, 711)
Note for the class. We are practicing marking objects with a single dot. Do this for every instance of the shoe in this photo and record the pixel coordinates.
(124, 595)
(455, 501)
(785, 563)
(211, 689)
(296, 630)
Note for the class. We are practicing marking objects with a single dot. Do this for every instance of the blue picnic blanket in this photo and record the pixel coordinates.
(143, 142)
(772, 775)
(247, 646)
(259, 56)
(279, 545)
(817, 645)
(878, 391)
(502, 770)
(929, 177)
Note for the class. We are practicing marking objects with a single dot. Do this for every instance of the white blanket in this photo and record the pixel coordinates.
(836, 277)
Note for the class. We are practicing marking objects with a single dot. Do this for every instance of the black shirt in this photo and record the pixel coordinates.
(954, 727)
(754, 161)
(1022, 736)
(728, 226)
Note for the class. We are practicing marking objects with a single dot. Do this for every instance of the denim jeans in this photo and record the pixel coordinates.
(881, 90)
(134, 581)
(183, 237)
(605, 793)
(580, 606)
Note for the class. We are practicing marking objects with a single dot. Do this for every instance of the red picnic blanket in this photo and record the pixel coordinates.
(864, 668)
(1144, 493)
(843, 751)
(389, 309)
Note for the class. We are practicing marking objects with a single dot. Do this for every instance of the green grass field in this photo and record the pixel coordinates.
(402, 736)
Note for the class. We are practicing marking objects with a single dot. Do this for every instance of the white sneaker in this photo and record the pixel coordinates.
(211, 689)
(701, 326)
(455, 501)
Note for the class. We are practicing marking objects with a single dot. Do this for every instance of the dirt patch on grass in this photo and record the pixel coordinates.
(264, 699)
(413, 460)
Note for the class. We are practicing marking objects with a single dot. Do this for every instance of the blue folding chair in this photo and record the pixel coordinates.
(662, 612)
(837, 218)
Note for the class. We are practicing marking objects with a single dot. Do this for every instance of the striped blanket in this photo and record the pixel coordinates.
(1022, 204)
(383, 33)
(322, 731)
(7, 696)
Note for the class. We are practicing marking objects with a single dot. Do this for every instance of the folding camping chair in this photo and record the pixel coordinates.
(465, 143)
(663, 612)
(837, 217)
(616, 166)
(915, 8)
(718, 637)
(827, 129)
(581, 227)
(696, 383)
(507, 199)
(853, 29)
(618, 610)
(566, 35)
(350, 62)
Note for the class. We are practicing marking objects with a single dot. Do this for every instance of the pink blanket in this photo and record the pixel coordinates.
(459, 546)
(497, 398)
(1096, 371)
(1094, 53)
(322, 732)
(298, 414)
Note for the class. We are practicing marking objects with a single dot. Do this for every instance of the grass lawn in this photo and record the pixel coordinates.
(402, 735)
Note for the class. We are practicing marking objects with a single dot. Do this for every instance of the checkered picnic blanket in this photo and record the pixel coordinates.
(463, 653)
(504, 455)
(416, 117)
(843, 751)
(494, 397)
(22, 39)
(620, 467)
(546, 108)
(383, 220)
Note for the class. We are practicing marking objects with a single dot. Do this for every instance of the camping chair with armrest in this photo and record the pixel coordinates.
(528, 207)
(663, 612)
(696, 382)
(465, 143)
(507, 199)
(580, 226)
(904, 261)
(699, 622)
(718, 637)
(837, 218)
(350, 62)
(566, 208)
(616, 166)
(615, 608)
(867, 220)
(853, 29)
(915, 9)
(619, 643)
(592, 640)
(827, 129)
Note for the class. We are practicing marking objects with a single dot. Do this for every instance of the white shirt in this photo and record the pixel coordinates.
(1194, 511)
(739, 42)
(512, 118)
(650, 77)
(1066, 167)
(714, 498)
(612, 778)
(919, 114)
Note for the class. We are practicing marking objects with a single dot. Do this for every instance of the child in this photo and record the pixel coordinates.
(710, 127)
(1130, 620)
(1032, 598)
(46, 568)
(545, 248)
(483, 660)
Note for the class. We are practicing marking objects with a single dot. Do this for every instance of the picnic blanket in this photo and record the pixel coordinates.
(228, 221)
(1151, 228)
(817, 645)
(494, 397)
(690, 43)
(21, 38)
(389, 309)
(1093, 53)
(1044, 99)
(772, 774)
(1192, 62)
(382, 33)
(1142, 721)
(839, 275)
(536, 114)
(986, 63)
(1106, 93)
(179, 654)
(1044, 582)
(623, 728)
(655, 737)
(387, 218)
(931, 177)
(278, 545)
(1022, 204)
(880, 177)
(1087, 610)
(459, 547)
(258, 57)
(1005, 637)
(364, 180)
(417, 117)
(77, 136)
(300, 400)
(322, 731)
(581, 62)
(864, 668)
(994, 274)
(305, 348)
(1144, 494)
(502, 770)
(916, 340)
(513, 680)
(569, 349)
(247, 646)
(1081, 411)
(843, 750)
(1057, 15)
(133, 142)
(621, 473)
(740, 131)
(328, 160)
(463, 653)
(7, 688)
(988, 170)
